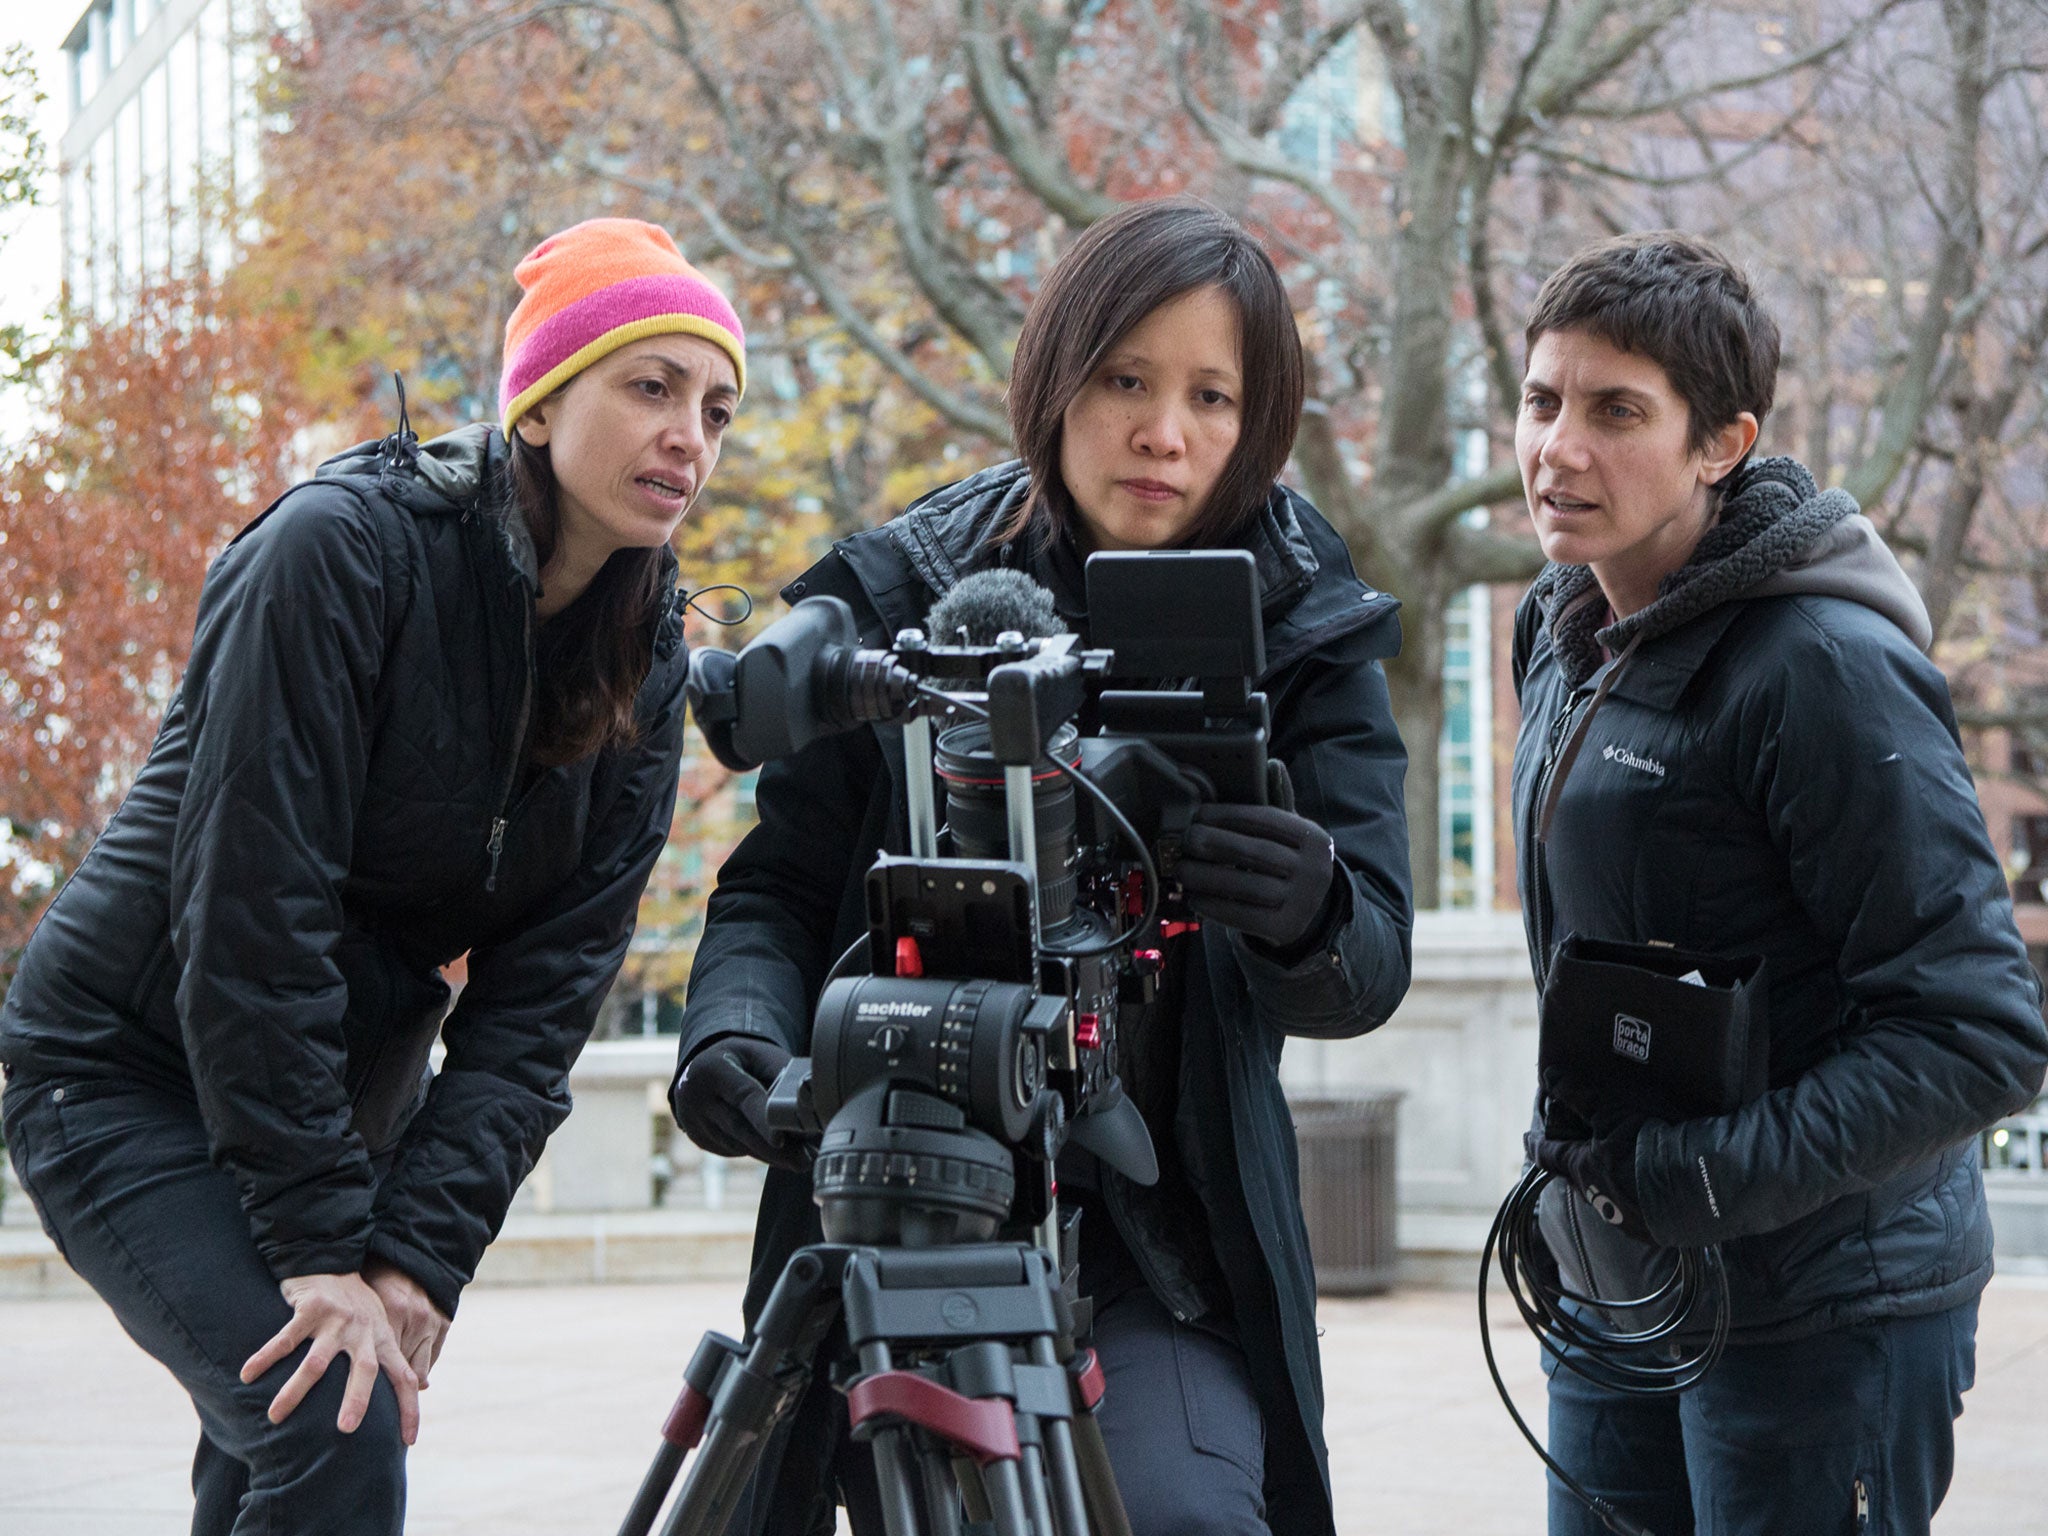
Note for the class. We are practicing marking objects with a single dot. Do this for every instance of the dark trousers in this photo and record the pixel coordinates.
(1849, 1431)
(1186, 1439)
(121, 1177)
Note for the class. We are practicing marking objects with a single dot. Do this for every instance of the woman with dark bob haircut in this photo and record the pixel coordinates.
(1157, 389)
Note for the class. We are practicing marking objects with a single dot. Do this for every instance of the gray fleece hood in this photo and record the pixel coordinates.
(1779, 535)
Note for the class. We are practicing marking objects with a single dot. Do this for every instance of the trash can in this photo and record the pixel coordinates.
(1347, 1190)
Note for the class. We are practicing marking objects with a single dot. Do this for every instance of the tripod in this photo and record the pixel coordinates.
(961, 1393)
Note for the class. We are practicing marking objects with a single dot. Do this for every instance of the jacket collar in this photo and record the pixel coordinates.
(948, 534)
(465, 473)
(1773, 518)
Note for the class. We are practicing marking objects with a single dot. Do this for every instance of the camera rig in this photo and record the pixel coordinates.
(971, 1032)
(1000, 947)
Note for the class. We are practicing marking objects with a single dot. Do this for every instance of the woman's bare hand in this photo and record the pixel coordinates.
(339, 1315)
(420, 1325)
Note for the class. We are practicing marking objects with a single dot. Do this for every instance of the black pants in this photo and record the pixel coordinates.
(121, 1177)
(1186, 1439)
(1851, 1431)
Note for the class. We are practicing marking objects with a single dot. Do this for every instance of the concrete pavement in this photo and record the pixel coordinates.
(545, 1405)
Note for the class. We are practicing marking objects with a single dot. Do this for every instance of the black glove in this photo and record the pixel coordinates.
(721, 1100)
(1593, 1149)
(1262, 871)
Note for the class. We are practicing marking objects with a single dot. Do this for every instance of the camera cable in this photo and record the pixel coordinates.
(1635, 1362)
(1081, 781)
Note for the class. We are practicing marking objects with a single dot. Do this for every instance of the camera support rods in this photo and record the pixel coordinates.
(917, 766)
(1023, 821)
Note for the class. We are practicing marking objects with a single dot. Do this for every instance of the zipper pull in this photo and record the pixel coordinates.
(1862, 1505)
(495, 847)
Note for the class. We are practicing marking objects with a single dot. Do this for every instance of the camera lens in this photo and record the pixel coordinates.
(979, 820)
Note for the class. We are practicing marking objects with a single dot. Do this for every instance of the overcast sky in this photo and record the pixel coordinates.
(30, 260)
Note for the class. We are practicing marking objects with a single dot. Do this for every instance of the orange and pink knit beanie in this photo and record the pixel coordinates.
(592, 289)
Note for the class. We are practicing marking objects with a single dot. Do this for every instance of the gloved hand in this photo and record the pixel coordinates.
(721, 1102)
(1262, 871)
(1593, 1149)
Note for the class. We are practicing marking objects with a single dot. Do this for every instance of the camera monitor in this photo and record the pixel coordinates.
(1177, 613)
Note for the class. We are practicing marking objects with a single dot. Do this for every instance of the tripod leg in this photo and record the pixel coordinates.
(895, 1457)
(755, 1389)
(1031, 1473)
(941, 1496)
(1105, 1504)
(661, 1477)
(1063, 1472)
(898, 1483)
(1006, 1498)
(972, 1494)
(725, 1461)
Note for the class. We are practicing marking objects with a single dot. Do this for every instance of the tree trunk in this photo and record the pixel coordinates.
(1415, 678)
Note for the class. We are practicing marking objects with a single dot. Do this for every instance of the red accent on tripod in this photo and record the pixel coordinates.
(909, 959)
(684, 1426)
(984, 1427)
(1089, 1385)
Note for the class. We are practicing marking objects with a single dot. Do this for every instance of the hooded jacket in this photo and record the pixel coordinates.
(790, 900)
(1774, 769)
(332, 810)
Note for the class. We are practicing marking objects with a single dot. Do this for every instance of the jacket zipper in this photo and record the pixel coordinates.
(1541, 883)
(1862, 1505)
(495, 844)
(1120, 1219)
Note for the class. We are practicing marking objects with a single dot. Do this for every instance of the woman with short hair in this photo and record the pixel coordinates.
(1733, 743)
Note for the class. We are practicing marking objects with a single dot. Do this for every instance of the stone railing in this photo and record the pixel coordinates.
(1461, 1051)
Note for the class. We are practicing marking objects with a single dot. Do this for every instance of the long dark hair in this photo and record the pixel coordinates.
(1119, 271)
(593, 656)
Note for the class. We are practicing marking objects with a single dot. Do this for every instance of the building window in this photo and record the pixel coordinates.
(1465, 757)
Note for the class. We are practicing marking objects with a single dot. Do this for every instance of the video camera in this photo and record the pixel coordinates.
(973, 1030)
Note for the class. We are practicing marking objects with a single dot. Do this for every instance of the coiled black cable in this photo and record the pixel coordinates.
(1641, 1362)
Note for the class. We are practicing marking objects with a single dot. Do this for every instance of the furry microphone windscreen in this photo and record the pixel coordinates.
(989, 603)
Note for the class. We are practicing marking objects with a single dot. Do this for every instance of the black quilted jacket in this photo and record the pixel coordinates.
(261, 924)
(1776, 771)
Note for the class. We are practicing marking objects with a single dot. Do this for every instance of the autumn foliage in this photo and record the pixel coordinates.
(164, 434)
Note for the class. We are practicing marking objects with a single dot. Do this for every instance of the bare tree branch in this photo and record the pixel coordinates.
(1301, 54)
(1236, 144)
(1791, 64)
(1426, 519)
(1037, 164)
(1907, 397)
(952, 405)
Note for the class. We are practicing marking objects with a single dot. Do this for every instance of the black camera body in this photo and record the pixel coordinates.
(972, 1032)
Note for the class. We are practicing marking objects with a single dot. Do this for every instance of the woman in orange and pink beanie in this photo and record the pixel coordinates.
(434, 708)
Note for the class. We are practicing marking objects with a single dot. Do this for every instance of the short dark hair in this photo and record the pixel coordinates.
(1121, 269)
(1676, 300)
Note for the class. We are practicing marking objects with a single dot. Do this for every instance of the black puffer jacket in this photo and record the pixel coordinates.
(1776, 771)
(790, 900)
(259, 926)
